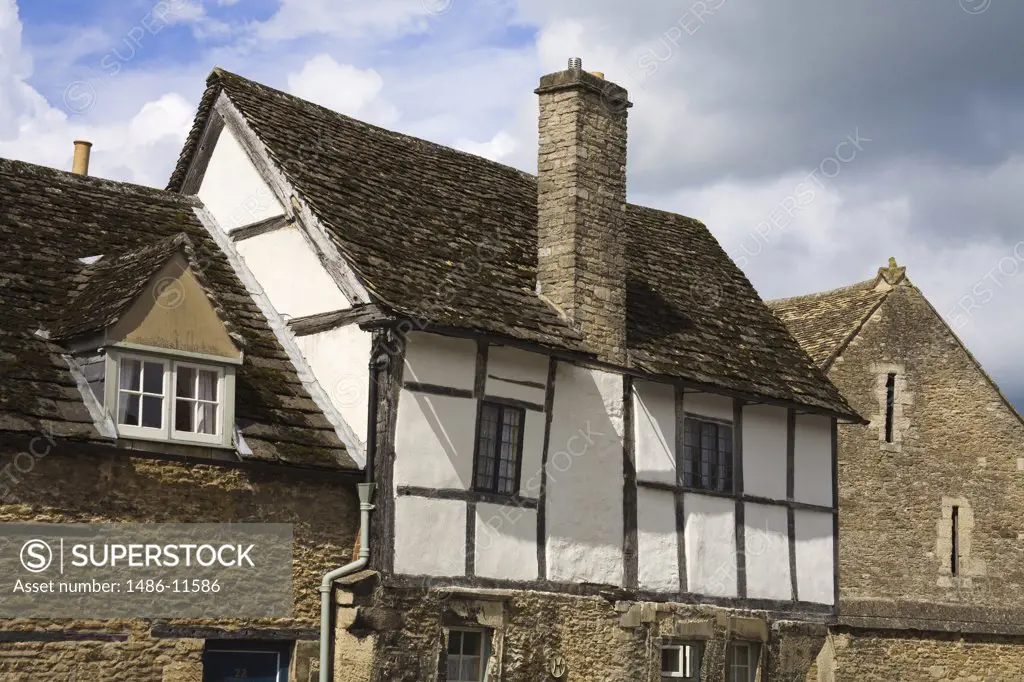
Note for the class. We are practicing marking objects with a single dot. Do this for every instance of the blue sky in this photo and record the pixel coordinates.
(736, 103)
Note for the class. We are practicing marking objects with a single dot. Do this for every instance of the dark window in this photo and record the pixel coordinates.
(244, 660)
(499, 448)
(742, 661)
(680, 662)
(707, 455)
(890, 395)
(954, 555)
(467, 656)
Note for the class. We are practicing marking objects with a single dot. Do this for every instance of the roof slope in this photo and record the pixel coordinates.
(450, 238)
(50, 219)
(823, 323)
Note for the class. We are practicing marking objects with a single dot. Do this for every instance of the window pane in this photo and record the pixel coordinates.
(455, 642)
(470, 669)
(153, 378)
(184, 411)
(185, 385)
(471, 643)
(453, 666)
(131, 372)
(128, 409)
(152, 409)
(207, 418)
(485, 448)
(670, 660)
(207, 385)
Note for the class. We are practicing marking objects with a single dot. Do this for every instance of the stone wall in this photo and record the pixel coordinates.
(69, 487)
(397, 634)
(910, 657)
(955, 443)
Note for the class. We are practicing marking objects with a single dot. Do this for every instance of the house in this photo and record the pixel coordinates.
(597, 454)
(140, 383)
(930, 490)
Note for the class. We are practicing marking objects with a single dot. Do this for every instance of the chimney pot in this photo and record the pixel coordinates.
(575, 64)
(80, 162)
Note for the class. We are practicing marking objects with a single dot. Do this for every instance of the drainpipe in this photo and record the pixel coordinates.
(366, 491)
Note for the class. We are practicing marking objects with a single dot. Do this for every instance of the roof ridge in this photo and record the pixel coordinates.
(866, 284)
(68, 176)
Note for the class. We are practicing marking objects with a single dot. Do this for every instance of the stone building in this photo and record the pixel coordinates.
(598, 455)
(931, 499)
(107, 291)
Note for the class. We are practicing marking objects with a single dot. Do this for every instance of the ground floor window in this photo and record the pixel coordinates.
(231, 661)
(468, 651)
(680, 661)
(742, 661)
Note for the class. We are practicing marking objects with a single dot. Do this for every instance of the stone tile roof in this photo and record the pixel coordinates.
(823, 323)
(450, 238)
(49, 220)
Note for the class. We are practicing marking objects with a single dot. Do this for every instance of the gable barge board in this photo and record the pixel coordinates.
(207, 143)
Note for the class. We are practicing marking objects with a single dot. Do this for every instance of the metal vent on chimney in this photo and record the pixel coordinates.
(575, 64)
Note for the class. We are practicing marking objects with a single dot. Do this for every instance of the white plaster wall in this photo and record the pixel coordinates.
(506, 542)
(814, 568)
(434, 441)
(654, 425)
(766, 548)
(584, 492)
(338, 359)
(764, 451)
(812, 459)
(506, 366)
(440, 360)
(232, 188)
(533, 446)
(710, 539)
(430, 536)
(292, 276)
(657, 540)
(709, 405)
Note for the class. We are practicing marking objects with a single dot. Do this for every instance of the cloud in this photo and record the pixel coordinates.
(343, 88)
(495, 149)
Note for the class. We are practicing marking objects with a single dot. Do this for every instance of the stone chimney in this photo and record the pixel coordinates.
(581, 200)
(80, 162)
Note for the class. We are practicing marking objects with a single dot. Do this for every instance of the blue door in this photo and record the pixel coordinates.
(239, 666)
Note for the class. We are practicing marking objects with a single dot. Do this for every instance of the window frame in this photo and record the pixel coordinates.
(217, 436)
(171, 361)
(485, 650)
(502, 408)
(695, 481)
(753, 660)
(696, 657)
(115, 406)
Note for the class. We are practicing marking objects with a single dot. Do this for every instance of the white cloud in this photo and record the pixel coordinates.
(344, 18)
(343, 88)
(495, 149)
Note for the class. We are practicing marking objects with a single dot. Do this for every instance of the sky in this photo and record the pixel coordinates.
(815, 139)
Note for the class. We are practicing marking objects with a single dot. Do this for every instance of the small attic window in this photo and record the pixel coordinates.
(164, 398)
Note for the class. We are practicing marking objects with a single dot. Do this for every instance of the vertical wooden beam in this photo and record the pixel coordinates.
(549, 404)
(479, 385)
(791, 495)
(470, 538)
(679, 495)
(630, 549)
(741, 529)
(835, 515)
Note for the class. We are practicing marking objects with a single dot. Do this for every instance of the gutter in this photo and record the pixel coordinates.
(366, 492)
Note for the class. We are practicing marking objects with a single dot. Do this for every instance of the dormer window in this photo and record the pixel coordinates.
(169, 400)
(153, 347)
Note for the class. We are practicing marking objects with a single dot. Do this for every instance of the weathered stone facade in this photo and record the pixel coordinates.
(953, 443)
(391, 633)
(118, 487)
(581, 202)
